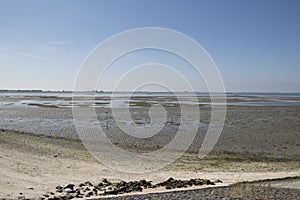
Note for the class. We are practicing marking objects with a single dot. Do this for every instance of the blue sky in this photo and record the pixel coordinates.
(255, 44)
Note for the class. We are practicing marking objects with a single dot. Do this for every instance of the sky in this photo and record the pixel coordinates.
(255, 44)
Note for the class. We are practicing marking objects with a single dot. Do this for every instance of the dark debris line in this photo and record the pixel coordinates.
(240, 191)
(105, 187)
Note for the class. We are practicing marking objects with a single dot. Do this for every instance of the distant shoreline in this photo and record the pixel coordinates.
(159, 92)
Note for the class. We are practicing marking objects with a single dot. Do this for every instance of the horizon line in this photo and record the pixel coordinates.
(102, 91)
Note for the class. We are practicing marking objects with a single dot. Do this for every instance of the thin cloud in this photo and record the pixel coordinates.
(32, 56)
(59, 42)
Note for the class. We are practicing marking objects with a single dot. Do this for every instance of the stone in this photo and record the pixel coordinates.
(79, 196)
(100, 184)
(69, 190)
(81, 184)
(105, 180)
(170, 179)
(88, 183)
(198, 181)
(71, 186)
(139, 189)
(69, 196)
(59, 190)
(89, 194)
(168, 187)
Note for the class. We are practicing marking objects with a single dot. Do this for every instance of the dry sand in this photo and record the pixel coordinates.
(33, 165)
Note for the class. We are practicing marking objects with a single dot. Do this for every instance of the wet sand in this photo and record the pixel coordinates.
(264, 131)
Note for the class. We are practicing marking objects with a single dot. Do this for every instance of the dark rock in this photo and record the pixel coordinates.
(143, 182)
(198, 181)
(89, 194)
(121, 183)
(139, 189)
(100, 184)
(122, 189)
(58, 187)
(59, 190)
(88, 183)
(109, 192)
(105, 181)
(68, 190)
(79, 196)
(81, 185)
(69, 196)
(98, 187)
(168, 187)
(77, 191)
(71, 186)
(170, 179)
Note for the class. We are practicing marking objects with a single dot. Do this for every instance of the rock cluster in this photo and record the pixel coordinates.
(105, 187)
(173, 183)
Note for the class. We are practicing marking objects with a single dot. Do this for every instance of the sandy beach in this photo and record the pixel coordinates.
(33, 165)
(41, 150)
